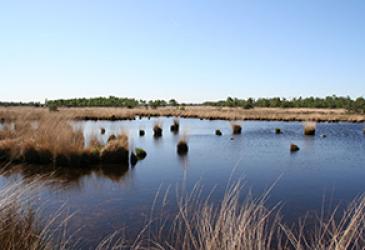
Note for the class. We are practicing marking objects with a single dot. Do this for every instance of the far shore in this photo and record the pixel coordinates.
(200, 112)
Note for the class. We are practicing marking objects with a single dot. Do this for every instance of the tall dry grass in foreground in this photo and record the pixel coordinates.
(20, 225)
(198, 223)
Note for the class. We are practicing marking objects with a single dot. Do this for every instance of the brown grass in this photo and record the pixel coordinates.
(236, 129)
(310, 128)
(294, 148)
(52, 140)
(157, 130)
(175, 126)
(198, 223)
(182, 147)
(203, 112)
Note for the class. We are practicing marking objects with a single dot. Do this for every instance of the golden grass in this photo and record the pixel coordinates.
(203, 112)
(52, 140)
(310, 128)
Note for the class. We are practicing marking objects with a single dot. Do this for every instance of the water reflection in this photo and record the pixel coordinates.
(68, 177)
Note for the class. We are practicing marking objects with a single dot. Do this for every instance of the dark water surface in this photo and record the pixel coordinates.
(325, 172)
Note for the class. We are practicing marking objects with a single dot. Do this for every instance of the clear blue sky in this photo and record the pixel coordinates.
(190, 50)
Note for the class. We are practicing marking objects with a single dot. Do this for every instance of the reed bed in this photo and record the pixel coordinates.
(52, 140)
(202, 112)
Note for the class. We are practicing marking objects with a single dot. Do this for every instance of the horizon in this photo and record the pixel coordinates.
(189, 51)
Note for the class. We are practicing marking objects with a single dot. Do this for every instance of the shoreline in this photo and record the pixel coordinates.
(199, 112)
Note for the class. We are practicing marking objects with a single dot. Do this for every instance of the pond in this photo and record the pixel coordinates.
(326, 171)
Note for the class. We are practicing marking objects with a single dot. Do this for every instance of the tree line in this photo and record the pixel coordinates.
(329, 102)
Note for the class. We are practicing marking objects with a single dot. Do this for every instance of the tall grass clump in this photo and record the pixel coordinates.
(20, 225)
(116, 151)
(294, 148)
(182, 147)
(157, 130)
(54, 141)
(175, 126)
(310, 128)
(236, 129)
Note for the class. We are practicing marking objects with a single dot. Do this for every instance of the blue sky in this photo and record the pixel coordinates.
(189, 50)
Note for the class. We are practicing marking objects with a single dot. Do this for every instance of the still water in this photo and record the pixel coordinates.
(326, 172)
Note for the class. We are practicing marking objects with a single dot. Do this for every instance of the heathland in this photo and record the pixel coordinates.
(201, 112)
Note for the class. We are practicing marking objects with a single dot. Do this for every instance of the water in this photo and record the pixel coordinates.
(326, 172)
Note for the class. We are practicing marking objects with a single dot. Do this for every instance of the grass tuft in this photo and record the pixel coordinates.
(236, 129)
(218, 132)
(310, 128)
(182, 147)
(157, 130)
(294, 148)
(175, 126)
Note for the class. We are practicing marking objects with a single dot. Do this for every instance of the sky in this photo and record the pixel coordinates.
(188, 50)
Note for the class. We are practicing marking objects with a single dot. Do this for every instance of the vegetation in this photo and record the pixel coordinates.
(182, 147)
(236, 129)
(329, 102)
(278, 131)
(218, 132)
(310, 128)
(54, 141)
(142, 132)
(203, 112)
(140, 153)
(175, 126)
(157, 130)
(294, 148)
(198, 223)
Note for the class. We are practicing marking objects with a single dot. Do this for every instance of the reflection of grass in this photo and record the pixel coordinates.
(198, 223)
